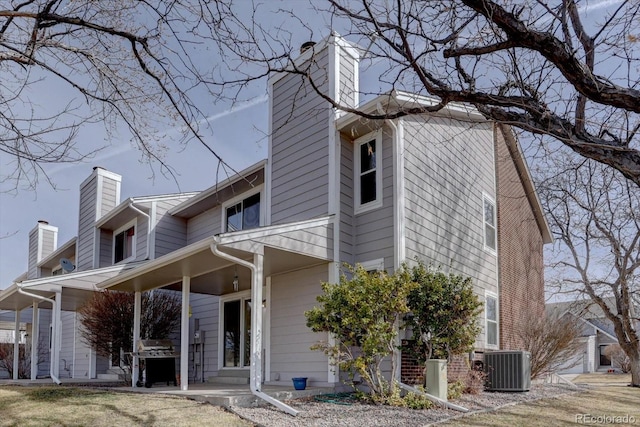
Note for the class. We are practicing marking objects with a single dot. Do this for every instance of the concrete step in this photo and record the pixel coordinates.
(114, 377)
(248, 400)
(224, 379)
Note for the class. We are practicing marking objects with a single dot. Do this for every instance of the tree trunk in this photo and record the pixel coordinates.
(635, 368)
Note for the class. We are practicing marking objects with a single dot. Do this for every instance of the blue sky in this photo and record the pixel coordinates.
(240, 140)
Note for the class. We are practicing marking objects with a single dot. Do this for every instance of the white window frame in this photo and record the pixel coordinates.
(488, 294)
(487, 199)
(373, 265)
(241, 296)
(133, 223)
(377, 203)
(238, 199)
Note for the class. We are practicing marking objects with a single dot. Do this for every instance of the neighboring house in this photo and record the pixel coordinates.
(450, 188)
(597, 333)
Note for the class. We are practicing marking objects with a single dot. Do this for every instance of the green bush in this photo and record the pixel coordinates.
(455, 389)
(362, 312)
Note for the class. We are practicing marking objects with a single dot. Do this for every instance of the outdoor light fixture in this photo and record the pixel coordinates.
(235, 281)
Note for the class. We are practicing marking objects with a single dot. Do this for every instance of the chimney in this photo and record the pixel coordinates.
(306, 46)
(99, 194)
(43, 240)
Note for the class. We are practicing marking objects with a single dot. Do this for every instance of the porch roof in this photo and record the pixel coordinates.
(287, 247)
(76, 287)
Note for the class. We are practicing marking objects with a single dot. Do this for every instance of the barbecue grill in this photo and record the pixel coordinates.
(159, 361)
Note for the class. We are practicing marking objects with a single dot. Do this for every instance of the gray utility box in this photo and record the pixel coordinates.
(508, 370)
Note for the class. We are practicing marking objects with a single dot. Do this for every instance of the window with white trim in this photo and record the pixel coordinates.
(373, 265)
(489, 217)
(243, 215)
(368, 171)
(491, 319)
(124, 243)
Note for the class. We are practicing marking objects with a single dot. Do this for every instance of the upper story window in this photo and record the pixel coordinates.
(124, 243)
(489, 215)
(491, 319)
(243, 215)
(368, 172)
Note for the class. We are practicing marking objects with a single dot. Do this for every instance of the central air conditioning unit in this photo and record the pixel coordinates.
(508, 370)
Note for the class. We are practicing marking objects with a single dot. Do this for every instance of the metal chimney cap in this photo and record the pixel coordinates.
(42, 221)
(306, 46)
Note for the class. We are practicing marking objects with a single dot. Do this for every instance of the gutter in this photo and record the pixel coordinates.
(256, 344)
(54, 328)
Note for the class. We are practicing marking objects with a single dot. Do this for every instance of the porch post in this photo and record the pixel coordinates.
(56, 332)
(16, 345)
(35, 338)
(137, 309)
(255, 370)
(184, 335)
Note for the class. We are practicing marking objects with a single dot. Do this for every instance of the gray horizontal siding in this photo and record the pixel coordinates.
(82, 353)
(346, 201)
(347, 83)
(205, 308)
(86, 220)
(299, 147)
(48, 243)
(142, 237)
(448, 166)
(106, 248)
(109, 194)
(67, 342)
(291, 295)
(32, 261)
(204, 225)
(170, 233)
(374, 229)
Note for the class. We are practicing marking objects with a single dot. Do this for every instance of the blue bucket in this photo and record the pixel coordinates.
(299, 383)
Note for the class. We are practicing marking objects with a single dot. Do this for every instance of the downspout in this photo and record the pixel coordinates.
(132, 206)
(255, 337)
(55, 329)
(434, 399)
(397, 232)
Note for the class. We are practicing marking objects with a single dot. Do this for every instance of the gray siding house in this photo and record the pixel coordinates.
(248, 255)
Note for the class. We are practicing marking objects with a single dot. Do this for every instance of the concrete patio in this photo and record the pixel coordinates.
(225, 395)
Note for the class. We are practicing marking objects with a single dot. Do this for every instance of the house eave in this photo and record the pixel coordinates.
(394, 101)
(53, 260)
(527, 181)
(201, 197)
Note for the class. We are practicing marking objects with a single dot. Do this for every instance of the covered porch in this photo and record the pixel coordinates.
(225, 264)
(67, 292)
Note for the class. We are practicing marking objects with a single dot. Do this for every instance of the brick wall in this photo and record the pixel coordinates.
(520, 249)
(412, 372)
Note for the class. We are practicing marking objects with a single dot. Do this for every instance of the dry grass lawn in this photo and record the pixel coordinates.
(609, 397)
(69, 406)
